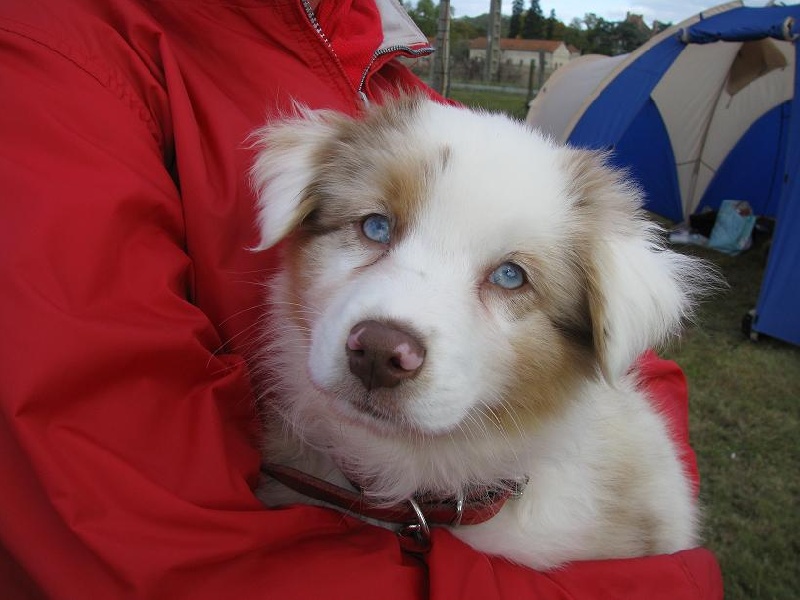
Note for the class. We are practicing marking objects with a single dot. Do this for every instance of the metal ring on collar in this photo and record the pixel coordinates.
(459, 511)
(416, 536)
(420, 528)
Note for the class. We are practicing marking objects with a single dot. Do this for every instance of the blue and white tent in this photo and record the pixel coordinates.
(707, 110)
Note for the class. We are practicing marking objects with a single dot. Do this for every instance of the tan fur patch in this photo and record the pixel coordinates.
(361, 170)
(626, 514)
(603, 203)
(566, 343)
(554, 348)
(544, 375)
(405, 182)
(302, 269)
(370, 166)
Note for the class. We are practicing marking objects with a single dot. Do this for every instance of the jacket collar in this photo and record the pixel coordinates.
(362, 35)
(399, 30)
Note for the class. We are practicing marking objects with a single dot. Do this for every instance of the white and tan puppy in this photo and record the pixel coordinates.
(461, 303)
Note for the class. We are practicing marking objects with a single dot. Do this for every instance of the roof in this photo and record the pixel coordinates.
(482, 43)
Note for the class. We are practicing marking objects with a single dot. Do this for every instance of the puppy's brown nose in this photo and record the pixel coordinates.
(382, 355)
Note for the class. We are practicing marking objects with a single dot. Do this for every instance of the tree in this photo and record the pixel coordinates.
(550, 25)
(575, 35)
(462, 30)
(592, 35)
(627, 37)
(515, 25)
(533, 25)
(425, 15)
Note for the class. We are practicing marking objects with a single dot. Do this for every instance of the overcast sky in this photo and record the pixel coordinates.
(665, 11)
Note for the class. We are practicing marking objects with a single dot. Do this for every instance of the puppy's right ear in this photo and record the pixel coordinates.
(289, 156)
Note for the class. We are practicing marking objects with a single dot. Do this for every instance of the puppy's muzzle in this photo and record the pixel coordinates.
(383, 355)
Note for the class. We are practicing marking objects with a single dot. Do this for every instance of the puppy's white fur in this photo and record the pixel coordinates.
(534, 382)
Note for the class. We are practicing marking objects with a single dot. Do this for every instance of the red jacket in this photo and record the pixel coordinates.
(128, 299)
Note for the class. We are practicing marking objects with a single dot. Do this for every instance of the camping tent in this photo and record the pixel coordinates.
(705, 111)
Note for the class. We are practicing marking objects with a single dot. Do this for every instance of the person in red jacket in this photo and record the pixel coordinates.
(129, 302)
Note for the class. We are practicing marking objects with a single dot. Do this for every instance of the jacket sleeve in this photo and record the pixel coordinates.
(689, 575)
(125, 436)
(126, 446)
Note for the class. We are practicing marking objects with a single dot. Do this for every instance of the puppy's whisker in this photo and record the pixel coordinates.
(261, 307)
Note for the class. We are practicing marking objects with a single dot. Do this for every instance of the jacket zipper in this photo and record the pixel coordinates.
(382, 52)
(318, 28)
(312, 17)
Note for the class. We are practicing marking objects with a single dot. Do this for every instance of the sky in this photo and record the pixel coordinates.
(666, 11)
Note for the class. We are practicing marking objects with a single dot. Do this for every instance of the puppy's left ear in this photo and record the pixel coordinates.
(639, 291)
(285, 166)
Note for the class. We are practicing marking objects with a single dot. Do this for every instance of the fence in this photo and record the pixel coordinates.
(516, 77)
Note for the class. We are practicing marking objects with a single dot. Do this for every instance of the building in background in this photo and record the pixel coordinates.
(555, 53)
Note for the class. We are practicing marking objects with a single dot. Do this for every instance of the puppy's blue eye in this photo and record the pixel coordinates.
(508, 276)
(377, 228)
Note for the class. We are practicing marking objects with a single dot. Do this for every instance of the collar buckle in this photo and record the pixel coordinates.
(416, 537)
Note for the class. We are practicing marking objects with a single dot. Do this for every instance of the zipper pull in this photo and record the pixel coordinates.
(363, 97)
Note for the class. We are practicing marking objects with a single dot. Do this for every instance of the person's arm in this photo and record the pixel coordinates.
(126, 441)
(689, 575)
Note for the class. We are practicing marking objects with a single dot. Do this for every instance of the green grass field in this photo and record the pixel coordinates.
(512, 104)
(745, 421)
(745, 417)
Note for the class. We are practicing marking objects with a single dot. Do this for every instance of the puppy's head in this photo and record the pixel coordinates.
(451, 270)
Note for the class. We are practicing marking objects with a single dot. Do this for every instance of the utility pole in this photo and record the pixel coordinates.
(440, 68)
(541, 68)
(493, 42)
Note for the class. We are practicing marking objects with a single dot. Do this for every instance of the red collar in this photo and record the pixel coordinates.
(479, 505)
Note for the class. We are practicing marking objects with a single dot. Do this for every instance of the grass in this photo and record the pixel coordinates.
(744, 419)
(512, 104)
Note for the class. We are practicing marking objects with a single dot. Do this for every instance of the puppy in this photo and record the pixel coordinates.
(456, 324)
